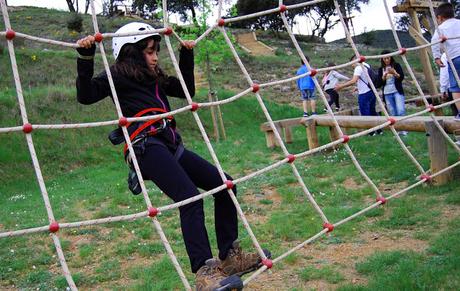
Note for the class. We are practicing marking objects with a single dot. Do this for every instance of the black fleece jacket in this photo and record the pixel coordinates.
(136, 96)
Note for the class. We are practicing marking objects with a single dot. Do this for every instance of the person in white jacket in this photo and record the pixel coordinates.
(330, 79)
(449, 27)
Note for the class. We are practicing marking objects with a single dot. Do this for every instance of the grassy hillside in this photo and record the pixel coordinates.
(411, 243)
(381, 39)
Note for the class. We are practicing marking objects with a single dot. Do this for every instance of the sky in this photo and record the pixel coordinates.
(372, 16)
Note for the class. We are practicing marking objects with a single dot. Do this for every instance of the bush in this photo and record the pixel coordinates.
(75, 22)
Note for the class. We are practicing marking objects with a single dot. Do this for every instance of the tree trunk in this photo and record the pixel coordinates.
(87, 6)
(70, 4)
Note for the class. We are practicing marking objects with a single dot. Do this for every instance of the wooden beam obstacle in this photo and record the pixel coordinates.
(436, 142)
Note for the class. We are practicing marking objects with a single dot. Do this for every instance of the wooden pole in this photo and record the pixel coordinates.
(312, 134)
(437, 147)
(424, 59)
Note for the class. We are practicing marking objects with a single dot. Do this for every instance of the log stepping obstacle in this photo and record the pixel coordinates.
(437, 145)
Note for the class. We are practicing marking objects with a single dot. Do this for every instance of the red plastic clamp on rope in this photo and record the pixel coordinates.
(123, 121)
(168, 31)
(267, 263)
(255, 87)
(425, 177)
(27, 128)
(362, 59)
(313, 72)
(221, 22)
(392, 120)
(443, 38)
(381, 199)
(98, 37)
(283, 8)
(329, 226)
(430, 108)
(291, 158)
(229, 184)
(195, 106)
(346, 139)
(153, 211)
(10, 34)
(402, 51)
(54, 227)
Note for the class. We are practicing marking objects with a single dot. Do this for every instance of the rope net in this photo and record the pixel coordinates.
(253, 88)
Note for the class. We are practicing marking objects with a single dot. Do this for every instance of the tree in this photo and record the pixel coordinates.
(70, 4)
(182, 7)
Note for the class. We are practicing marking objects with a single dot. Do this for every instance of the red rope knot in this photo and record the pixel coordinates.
(53, 227)
(283, 8)
(195, 106)
(255, 87)
(362, 59)
(381, 199)
(168, 31)
(123, 121)
(402, 51)
(221, 22)
(430, 108)
(427, 178)
(313, 72)
(345, 138)
(392, 120)
(27, 128)
(10, 34)
(443, 38)
(291, 158)
(267, 263)
(329, 226)
(98, 37)
(153, 211)
(229, 184)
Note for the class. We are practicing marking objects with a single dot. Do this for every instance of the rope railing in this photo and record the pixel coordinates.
(152, 212)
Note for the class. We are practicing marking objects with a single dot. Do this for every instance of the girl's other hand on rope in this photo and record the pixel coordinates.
(86, 42)
(188, 44)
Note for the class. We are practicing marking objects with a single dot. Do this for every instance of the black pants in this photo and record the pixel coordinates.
(179, 179)
(333, 97)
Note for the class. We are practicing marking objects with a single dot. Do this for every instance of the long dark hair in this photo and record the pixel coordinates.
(131, 62)
(392, 60)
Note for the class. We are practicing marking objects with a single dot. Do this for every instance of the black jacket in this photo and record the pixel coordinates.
(398, 81)
(135, 96)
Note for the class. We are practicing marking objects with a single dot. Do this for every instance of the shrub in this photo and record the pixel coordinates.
(75, 22)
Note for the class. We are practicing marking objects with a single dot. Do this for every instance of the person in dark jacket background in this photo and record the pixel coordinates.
(142, 88)
(392, 75)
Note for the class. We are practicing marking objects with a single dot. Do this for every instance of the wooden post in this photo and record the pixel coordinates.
(424, 59)
(288, 134)
(334, 135)
(270, 137)
(437, 147)
(312, 134)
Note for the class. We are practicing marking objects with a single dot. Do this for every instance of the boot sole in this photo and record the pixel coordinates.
(230, 283)
(267, 253)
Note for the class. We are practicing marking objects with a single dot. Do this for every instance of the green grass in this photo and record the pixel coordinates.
(85, 178)
(435, 269)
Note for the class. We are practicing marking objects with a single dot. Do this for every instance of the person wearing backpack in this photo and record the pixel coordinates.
(392, 75)
(366, 97)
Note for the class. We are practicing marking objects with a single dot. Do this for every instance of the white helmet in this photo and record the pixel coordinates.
(119, 41)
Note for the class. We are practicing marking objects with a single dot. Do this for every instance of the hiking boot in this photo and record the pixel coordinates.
(240, 263)
(211, 278)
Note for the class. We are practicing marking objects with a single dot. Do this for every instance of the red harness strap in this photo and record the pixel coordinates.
(145, 124)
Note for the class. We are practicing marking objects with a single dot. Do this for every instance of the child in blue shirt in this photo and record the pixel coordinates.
(306, 87)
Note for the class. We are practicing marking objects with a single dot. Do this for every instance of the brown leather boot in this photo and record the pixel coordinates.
(211, 278)
(240, 263)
